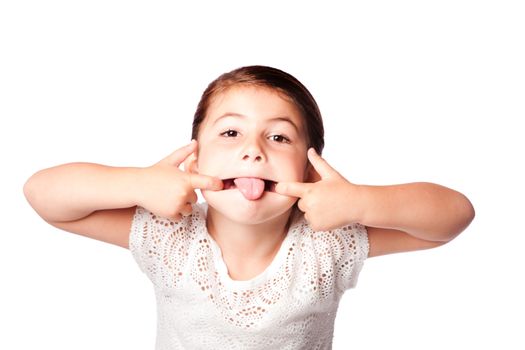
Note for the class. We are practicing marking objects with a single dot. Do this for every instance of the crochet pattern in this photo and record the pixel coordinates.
(290, 305)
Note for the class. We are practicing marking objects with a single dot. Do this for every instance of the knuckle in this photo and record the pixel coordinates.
(182, 192)
(192, 197)
(306, 203)
(172, 213)
(188, 179)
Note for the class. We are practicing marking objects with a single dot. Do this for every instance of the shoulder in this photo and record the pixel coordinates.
(150, 232)
(349, 237)
(161, 247)
(147, 220)
(338, 254)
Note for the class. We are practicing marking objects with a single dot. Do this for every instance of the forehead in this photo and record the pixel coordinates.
(258, 103)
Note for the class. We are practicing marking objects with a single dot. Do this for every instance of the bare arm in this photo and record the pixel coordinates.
(398, 218)
(99, 201)
(72, 191)
(424, 210)
(92, 200)
(413, 216)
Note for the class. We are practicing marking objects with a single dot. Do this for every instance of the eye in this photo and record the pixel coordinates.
(229, 133)
(280, 138)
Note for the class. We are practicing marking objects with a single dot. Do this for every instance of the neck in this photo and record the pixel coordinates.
(245, 242)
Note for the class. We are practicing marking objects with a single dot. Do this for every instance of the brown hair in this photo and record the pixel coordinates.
(274, 79)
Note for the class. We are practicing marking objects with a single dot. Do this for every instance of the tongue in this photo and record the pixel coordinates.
(250, 187)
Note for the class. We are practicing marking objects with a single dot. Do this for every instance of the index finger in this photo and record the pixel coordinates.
(178, 156)
(205, 182)
(320, 164)
(293, 189)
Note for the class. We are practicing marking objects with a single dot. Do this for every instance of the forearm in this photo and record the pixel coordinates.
(423, 210)
(72, 191)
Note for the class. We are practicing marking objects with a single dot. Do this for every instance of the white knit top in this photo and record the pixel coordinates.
(291, 305)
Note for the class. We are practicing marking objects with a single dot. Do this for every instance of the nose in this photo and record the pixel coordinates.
(252, 152)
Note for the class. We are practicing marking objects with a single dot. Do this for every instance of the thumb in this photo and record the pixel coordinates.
(292, 189)
(178, 156)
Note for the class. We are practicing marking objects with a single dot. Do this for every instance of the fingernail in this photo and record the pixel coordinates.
(218, 184)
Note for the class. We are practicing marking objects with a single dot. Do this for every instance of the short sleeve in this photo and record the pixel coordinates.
(158, 245)
(353, 240)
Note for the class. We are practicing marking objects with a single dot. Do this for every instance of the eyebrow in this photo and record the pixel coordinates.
(284, 119)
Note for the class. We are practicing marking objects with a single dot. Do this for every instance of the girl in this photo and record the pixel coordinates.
(264, 261)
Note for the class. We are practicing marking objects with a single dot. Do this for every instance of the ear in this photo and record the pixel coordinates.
(190, 164)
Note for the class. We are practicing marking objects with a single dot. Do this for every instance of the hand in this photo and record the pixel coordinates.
(169, 191)
(327, 203)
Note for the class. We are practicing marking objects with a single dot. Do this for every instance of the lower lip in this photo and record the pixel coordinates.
(264, 194)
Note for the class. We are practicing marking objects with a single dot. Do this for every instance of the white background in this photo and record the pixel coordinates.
(409, 90)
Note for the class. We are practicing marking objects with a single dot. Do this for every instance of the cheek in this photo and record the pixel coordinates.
(211, 160)
(207, 165)
(297, 168)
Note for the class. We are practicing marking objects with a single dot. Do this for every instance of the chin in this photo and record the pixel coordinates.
(234, 206)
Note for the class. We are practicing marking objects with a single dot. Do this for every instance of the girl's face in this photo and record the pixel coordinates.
(251, 132)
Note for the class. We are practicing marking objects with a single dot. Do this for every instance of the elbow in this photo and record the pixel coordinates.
(471, 214)
(32, 190)
(464, 213)
(467, 214)
(28, 189)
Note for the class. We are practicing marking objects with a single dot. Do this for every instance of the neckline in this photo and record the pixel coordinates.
(222, 268)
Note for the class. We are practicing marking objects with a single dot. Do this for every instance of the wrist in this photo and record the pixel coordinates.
(132, 183)
(359, 195)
